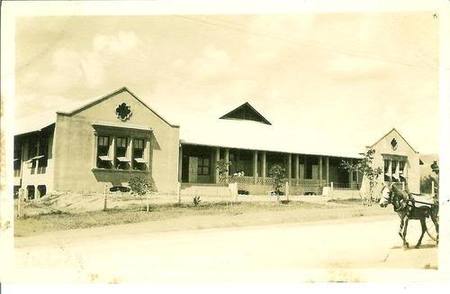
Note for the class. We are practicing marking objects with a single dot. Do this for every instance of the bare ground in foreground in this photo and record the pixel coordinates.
(346, 249)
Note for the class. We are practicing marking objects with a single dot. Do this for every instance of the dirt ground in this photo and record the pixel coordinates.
(352, 249)
(169, 217)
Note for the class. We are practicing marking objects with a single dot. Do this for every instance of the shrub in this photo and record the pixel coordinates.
(366, 168)
(140, 185)
(279, 177)
(196, 200)
(223, 167)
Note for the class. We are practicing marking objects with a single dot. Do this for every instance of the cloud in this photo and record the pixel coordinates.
(211, 63)
(71, 68)
(119, 43)
(346, 67)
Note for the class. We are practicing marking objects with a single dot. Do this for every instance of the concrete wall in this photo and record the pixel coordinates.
(75, 148)
(403, 149)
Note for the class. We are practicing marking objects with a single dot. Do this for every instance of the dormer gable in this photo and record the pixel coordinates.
(246, 112)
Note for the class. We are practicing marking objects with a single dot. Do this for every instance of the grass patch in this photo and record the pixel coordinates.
(346, 201)
(187, 216)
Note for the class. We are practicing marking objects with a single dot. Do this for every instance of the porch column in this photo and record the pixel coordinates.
(94, 158)
(350, 175)
(217, 160)
(320, 170)
(264, 167)
(297, 168)
(255, 166)
(227, 160)
(180, 163)
(113, 152)
(357, 179)
(130, 152)
(327, 162)
(38, 152)
(289, 162)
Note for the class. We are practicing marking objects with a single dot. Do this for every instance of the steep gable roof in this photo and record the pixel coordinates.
(398, 133)
(97, 100)
(246, 112)
(41, 120)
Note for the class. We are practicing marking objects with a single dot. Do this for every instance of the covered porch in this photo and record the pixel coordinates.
(250, 169)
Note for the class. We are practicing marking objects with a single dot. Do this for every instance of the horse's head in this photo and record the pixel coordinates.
(386, 195)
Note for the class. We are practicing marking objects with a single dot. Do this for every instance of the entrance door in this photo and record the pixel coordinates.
(193, 166)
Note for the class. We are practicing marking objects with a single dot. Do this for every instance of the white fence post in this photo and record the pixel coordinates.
(179, 192)
(432, 188)
(332, 186)
(20, 202)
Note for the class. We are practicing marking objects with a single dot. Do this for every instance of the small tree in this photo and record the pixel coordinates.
(223, 167)
(366, 168)
(425, 183)
(142, 186)
(279, 177)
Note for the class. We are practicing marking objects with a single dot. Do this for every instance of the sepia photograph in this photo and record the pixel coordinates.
(171, 147)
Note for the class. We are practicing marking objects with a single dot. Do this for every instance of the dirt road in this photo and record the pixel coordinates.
(346, 249)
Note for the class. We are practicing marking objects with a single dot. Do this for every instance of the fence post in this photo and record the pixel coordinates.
(22, 193)
(432, 188)
(332, 186)
(105, 203)
(179, 192)
(403, 186)
(286, 190)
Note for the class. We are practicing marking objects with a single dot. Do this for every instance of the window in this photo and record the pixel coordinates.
(121, 153)
(402, 171)
(30, 192)
(42, 157)
(103, 159)
(311, 168)
(32, 148)
(42, 189)
(386, 170)
(138, 154)
(203, 166)
(17, 159)
(394, 171)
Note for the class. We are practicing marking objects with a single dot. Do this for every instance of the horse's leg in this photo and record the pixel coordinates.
(436, 225)
(405, 230)
(424, 228)
(402, 222)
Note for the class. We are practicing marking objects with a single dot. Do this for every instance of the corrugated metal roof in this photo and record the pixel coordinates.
(207, 129)
(257, 136)
(34, 122)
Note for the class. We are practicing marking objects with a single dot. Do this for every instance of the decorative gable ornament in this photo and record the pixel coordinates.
(394, 144)
(123, 112)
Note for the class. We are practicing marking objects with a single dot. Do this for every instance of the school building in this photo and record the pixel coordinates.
(112, 138)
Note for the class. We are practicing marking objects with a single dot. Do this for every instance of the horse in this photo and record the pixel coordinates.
(405, 206)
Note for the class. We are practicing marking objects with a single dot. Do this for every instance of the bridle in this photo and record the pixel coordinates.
(388, 199)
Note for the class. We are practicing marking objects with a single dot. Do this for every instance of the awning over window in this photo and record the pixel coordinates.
(140, 160)
(105, 158)
(123, 159)
(34, 158)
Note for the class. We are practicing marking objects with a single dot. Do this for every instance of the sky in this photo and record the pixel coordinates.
(349, 75)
